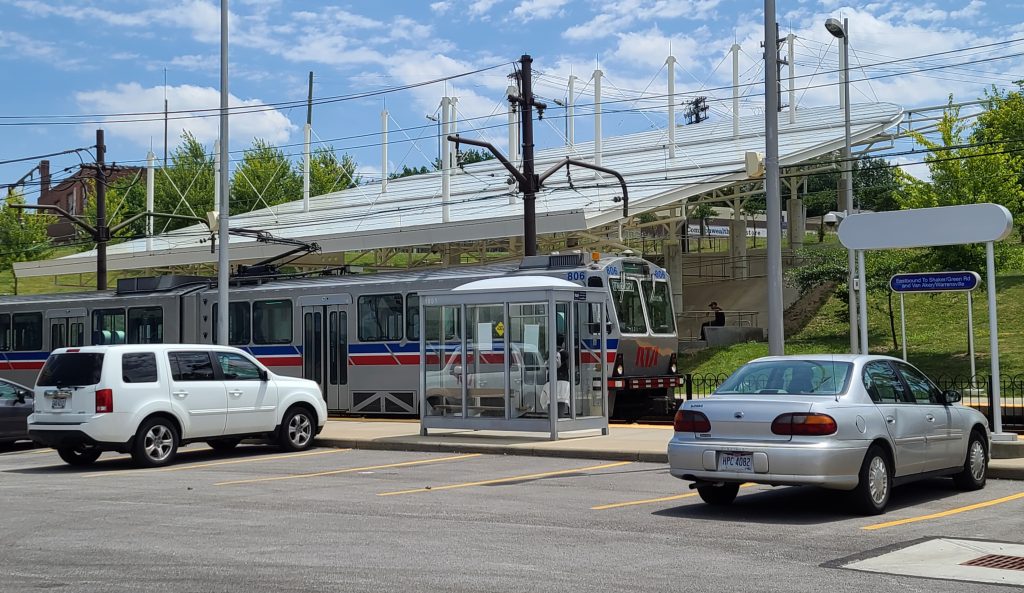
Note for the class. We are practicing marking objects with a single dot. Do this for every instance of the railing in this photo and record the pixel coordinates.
(976, 392)
(689, 322)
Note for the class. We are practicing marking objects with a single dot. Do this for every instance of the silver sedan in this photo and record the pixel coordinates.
(846, 422)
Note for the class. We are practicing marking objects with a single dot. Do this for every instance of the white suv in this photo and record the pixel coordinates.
(148, 399)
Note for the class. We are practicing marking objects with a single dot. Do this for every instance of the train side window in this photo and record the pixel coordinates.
(108, 326)
(380, 317)
(412, 316)
(5, 332)
(28, 331)
(146, 325)
(271, 322)
(595, 282)
(239, 324)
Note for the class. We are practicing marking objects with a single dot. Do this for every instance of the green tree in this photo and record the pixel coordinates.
(22, 236)
(963, 173)
(186, 185)
(408, 171)
(264, 178)
(328, 174)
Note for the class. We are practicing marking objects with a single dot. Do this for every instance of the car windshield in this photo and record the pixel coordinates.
(71, 369)
(795, 377)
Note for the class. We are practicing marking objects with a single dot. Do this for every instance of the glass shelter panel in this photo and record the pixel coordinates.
(528, 369)
(587, 393)
(485, 364)
(443, 348)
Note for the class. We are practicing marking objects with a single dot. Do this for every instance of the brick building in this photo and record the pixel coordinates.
(71, 194)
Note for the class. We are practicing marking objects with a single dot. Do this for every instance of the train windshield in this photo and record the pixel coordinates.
(659, 306)
(628, 305)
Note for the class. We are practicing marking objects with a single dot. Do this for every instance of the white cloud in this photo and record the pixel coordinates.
(17, 44)
(538, 9)
(441, 7)
(480, 8)
(618, 16)
(268, 124)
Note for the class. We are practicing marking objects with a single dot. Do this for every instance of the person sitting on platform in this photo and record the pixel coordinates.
(718, 321)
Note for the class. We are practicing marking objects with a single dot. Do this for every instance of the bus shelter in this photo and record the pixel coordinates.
(524, 353)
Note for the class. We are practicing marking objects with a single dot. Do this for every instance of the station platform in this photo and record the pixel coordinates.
(625, 442)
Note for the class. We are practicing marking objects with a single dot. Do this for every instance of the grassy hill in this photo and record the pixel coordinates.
(936, 333)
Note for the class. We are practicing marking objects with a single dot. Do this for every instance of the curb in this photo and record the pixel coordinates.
(998, 469)
(448, 447)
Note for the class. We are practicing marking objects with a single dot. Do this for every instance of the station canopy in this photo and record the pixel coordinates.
(484, 204)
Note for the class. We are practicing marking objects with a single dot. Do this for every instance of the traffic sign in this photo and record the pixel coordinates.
(935, 282)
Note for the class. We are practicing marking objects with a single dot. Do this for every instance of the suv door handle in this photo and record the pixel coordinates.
(929, 418)
(180, 394)
(890, 419)
(235, 393)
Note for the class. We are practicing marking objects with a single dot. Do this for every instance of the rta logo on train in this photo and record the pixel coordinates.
(646, 357)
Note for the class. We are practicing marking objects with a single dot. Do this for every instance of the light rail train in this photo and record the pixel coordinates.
(357, 335)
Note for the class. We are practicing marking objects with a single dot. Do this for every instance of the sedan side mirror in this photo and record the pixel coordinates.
(20, 398)
(951, 396)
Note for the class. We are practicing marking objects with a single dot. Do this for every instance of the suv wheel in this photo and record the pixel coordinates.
(80, 454)
(297, 430)
(156, 443)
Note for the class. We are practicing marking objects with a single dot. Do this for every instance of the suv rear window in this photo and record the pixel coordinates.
(71, 369)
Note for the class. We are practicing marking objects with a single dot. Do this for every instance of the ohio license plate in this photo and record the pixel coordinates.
(736, 462)
(59, 403)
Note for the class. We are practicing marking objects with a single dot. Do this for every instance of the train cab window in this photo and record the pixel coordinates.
(628, 306)
(380, 317)
(5, 332)
(108, 326)
(146, 325)
(28, 331)
(659, 305)
(412, 317)
(239, 324)
(271, 322)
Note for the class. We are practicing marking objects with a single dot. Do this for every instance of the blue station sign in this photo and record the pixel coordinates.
(935, 282)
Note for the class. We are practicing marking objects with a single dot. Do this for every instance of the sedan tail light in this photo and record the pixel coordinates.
(806, 424)
(104, 401)
(690, 421)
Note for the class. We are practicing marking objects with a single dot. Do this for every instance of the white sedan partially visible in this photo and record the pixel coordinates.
(847, 422)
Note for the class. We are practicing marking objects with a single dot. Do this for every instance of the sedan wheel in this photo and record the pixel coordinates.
(875, 486)
(718, 494)
(975, 471)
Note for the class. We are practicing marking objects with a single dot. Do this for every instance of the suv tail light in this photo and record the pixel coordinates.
(104, 401)
(690, 421)
(809, 424)
(618, 370)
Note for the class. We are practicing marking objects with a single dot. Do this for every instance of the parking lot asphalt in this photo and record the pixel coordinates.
(337, 519)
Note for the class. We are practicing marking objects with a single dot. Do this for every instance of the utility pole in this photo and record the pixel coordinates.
(102, 233)
(526, 101)
(773, 200)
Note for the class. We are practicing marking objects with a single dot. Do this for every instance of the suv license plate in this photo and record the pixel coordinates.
(736, 462)
(59, 403)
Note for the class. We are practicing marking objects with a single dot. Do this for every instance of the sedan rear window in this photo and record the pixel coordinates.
(794, 377)
(71, 369)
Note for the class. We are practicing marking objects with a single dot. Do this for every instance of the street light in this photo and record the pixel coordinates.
(841, 31)
(438, 120)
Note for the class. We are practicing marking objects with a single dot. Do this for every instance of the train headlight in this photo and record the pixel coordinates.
(619, 369)
(672, 364)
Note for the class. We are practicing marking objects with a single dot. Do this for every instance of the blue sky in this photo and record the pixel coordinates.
(90, 59)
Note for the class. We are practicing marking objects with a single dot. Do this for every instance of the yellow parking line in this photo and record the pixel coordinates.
(955, 511)
(511, 479)
(348, 470)
(175, 468)
(617, 505)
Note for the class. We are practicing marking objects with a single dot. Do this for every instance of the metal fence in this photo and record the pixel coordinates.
(976, 392)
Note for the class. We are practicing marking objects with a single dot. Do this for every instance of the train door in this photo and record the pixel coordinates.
(66, 328)
(325, 352)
